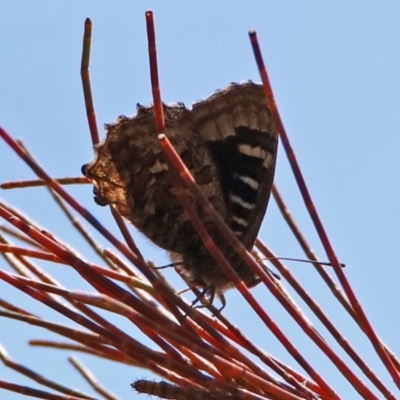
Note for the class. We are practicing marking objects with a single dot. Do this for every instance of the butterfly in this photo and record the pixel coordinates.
(228, 142)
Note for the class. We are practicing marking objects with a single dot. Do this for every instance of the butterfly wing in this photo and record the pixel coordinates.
(130, 173)
(237, 128)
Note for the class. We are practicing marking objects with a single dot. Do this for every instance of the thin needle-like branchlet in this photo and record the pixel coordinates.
(367, 328)
(38, 182)
(22, 369)
(323, 318)
(31, 392)
(175, 162)
(90, 378)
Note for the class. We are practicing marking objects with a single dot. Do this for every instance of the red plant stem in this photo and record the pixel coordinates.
(235, 335)
(325, 276)
(125, 233)
(209, 244)
(309, 253)
(227, 367)
(367, 327)
(111, 304)
(281, 369)
(155, 85)
(97, 280)
(100, 283)
(325, 320)
(87, 91)
(169, 298)
(91, 116)
(89, 275)
(89, 341)
(39, 378)
(38, 182)
(171, 155)
(22, 251)
(110, 354)
(264, 276)
(87, 311)
(86, 374)
(27, 391)
(150, 359)
(103, 322)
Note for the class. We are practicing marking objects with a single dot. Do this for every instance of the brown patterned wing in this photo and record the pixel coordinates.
(237, 128)
(130, 173)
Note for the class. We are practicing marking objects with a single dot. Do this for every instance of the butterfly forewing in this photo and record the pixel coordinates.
(130, 173)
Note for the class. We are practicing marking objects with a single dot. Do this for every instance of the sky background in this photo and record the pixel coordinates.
(335, 71)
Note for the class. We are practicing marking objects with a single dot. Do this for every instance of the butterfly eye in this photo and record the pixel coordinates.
(83, 169)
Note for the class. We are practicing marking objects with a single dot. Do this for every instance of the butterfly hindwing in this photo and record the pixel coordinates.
(239, 132)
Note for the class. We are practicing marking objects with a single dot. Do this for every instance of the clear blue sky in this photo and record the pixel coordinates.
(335, 70)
